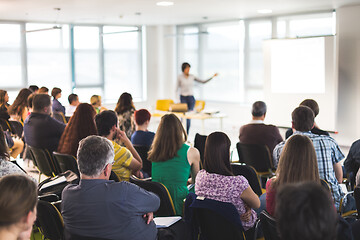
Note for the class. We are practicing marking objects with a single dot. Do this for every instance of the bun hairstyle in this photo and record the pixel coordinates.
(18, 197)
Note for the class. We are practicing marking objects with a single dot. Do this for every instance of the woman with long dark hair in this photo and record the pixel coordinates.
(81, 125)
(4, 98)
(297, 164)
(172, 160)
(216, 181)
(125, 110)
(18, 110)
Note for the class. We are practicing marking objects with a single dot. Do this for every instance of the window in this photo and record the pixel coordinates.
(48, 58)
(10, 56)
(122, 62)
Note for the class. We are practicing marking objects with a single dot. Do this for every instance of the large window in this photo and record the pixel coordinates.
(10, 56)
(48, 61)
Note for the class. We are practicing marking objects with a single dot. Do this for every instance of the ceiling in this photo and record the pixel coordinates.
(147, 12)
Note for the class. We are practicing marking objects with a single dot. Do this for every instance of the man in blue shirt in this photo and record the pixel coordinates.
(101, 208)
(328, 152)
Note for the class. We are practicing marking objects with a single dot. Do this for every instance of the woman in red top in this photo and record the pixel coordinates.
(297, 163)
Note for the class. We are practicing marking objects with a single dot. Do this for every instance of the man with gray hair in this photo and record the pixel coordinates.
(257, 132)
(105, 209)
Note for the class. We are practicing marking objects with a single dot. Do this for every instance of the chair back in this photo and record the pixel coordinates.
(60, 117)
(199, 105)
(5, 125)
(143, 152)
(256, 155)
(325, 184)
(164, 104)
(268, 225)
(17, 128)
(114, 177)
(357, 198)
(166, 204)
(250, 174)
(44, 161)
(66, 162)
(49, 221)
(199, 144)
(215, 219)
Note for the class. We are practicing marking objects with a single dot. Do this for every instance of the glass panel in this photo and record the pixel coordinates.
(10, 56)
(256, 71)
(311, 27)
(281, 29)
(253, 95)
(86, 37)
(86, 93)
(121, 37)
(258, 31)
(188, 41)
(52, 38)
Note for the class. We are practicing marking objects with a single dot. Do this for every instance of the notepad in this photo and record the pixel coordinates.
(59, 180)
(164, 222)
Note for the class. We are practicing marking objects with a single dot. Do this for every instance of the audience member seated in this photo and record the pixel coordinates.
(81, 125)
(297, 164)
(101, 208)
(328, 152)
(352, 161)
(41, 130)
(312, 104)
(216, 181)
(44, 90)
(30, 102)
(34, 88)
(4, 98)
(18, 201)
(256, 132)
(95, 101)
(125, 110)
(18, 111)
(142, 136)
(126, 160)
(173, 160)
(74, 102)
(305, 211)
(56, 105)
(6, 167)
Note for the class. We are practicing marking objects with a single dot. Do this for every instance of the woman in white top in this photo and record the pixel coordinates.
(185, 83)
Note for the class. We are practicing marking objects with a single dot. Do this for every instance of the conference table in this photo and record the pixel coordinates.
(194, 115)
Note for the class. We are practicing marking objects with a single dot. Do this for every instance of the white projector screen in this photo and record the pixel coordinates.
(297, 69)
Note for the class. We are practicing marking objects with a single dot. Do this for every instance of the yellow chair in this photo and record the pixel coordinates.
(199, 105)
(163, 104)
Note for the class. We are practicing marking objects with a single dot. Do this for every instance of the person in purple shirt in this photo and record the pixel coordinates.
(142, 137)
(57, 106)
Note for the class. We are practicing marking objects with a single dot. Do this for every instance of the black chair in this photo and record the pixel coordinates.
(49, 221)
(71, 236)
(17, 128)
(143, 152)
(212, 219)
(199, 144)
(60, 117)
(258, 156)
(268, 225)
(66, 162)
(5, 125)
(250, 174)
(44, 161)
(357, 198)
(166, 204)
(114, 177)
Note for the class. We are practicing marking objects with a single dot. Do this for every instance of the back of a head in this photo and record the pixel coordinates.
(95, 99)
(217, 154)
(72, 97)
(305, 211)
(141, 116)
(298, 162)
(105, 121)
(312, 104)
(33, 88)
(303, 119)
(30, 100)
(20, 102)
(43, 90)
(18, 197)
(168, 139)
(125, 103)
(40, 101)
(94, 154)
(258, 109)
(2, 97)
(55, 91)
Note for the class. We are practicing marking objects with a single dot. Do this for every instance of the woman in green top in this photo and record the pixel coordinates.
(173, 160)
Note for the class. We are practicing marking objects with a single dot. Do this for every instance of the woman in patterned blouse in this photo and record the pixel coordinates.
(125, 110)
(216, 181)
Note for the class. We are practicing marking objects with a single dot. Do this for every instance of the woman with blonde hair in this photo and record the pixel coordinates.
(95, 101)
(18, 201)
(297, 163)
(172, 160)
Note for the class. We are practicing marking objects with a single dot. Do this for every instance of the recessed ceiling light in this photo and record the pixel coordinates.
(165, 3)
(263, 11)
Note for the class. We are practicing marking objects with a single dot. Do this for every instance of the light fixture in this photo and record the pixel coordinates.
(165, 3)
(264, 11)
